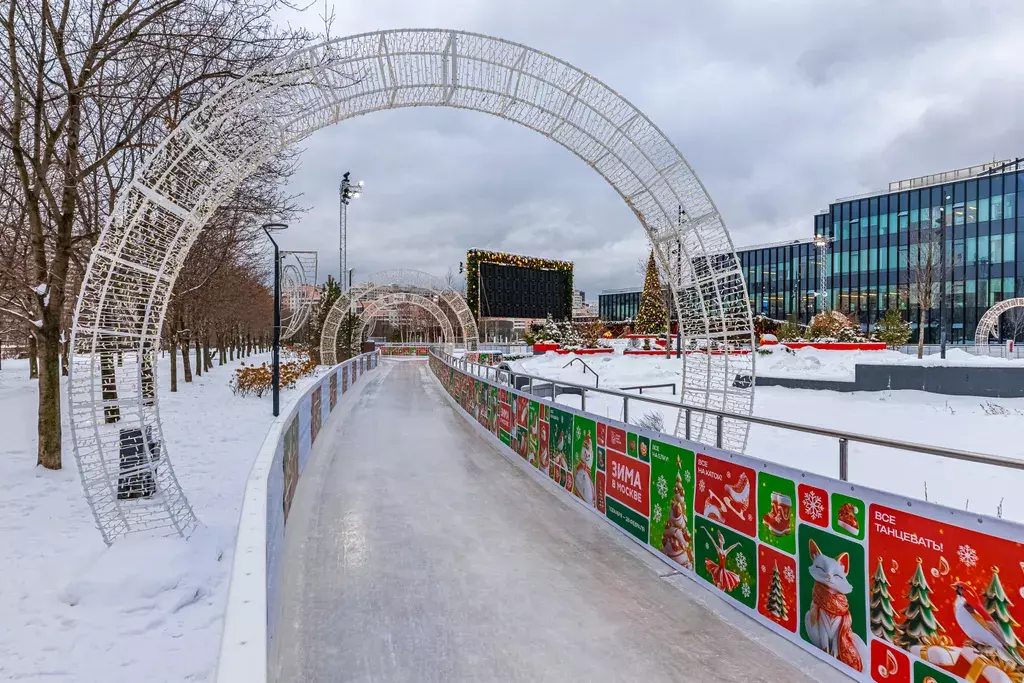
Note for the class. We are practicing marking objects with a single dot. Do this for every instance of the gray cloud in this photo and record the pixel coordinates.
(780, 107)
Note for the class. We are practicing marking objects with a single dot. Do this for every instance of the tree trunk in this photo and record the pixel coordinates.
(920, 332)
(231, 351)
(49, 400)
(33, 357)
(64, 358)
(186, 361)
(199, 359)
(207, 358)
(174, 363)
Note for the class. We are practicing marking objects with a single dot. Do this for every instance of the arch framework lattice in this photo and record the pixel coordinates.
(396, 280)
(988, 321)
(157, 217)
(388, 301)
(298, 278)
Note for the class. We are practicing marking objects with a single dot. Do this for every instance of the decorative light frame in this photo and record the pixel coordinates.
(394, 280)
(298, 278)
(989, 318)
(132, 270)
(393, 299)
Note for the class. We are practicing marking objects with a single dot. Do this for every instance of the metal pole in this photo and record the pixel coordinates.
(718, 432)
(844, 460)
(942, 283)
(583, 400)
(625, 410)
(687, 424)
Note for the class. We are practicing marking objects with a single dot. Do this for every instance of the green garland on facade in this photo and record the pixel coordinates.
(474, 257)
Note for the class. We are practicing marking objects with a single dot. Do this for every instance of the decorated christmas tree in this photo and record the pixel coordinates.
(650, 319)
(883, 616)
(997, 604)
(776, 598)
(919, 620)
(676, 541)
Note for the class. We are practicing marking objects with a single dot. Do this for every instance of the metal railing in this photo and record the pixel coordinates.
(597, 377)
(844, 438)
(641, 387)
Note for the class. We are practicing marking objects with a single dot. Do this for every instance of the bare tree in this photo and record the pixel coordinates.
(86, 88)
(924, 263)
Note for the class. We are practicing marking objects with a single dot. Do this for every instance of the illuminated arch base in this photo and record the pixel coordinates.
(397, 280)
(133, 267)
(389, 301)
(988, 321)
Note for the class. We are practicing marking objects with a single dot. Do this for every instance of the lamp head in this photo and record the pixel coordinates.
(272, 227)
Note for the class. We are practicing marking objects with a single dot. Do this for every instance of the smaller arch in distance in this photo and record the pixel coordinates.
(389, 300)
(988, 321)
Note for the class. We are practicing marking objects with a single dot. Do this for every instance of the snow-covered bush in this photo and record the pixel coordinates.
(259, 379)
(893, 329)
(828, 324)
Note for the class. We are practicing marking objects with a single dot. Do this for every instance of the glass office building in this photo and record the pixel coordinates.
(881, 245)
(618, 305)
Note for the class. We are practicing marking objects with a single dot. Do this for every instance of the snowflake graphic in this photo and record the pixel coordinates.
(656, 513)
(707, 547)
(702, 486)
(813, 506)
(745, 590)
(741, 562)
(686, 476)
(763, 568)
(662, 486)
(967, 555)
(788, 574)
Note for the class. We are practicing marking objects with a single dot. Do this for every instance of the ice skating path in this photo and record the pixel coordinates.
(417, 552)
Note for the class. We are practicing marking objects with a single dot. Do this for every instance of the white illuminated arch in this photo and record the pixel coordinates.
(395, 280)
(988, 321)
(388, 301)
(132, 270)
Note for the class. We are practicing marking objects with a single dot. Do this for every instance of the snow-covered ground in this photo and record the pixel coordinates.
(808, 363)
(144, 609)
(959, 422)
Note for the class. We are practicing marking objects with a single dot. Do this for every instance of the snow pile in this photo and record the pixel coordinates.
(145, 608)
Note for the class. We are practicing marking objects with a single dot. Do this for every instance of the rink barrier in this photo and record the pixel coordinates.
(253, 606)
(685, 500)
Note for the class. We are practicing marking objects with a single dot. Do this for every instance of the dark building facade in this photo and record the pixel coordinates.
(881, 244)
(618, 305)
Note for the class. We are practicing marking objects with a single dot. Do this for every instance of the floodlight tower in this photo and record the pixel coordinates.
(821, 243)
(347, 191)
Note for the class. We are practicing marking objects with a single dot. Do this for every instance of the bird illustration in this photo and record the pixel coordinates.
(978, 624)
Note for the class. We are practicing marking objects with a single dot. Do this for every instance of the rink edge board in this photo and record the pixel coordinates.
(253, 607)
(887, 529)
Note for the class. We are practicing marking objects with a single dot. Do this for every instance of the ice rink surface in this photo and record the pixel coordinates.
(418, 552)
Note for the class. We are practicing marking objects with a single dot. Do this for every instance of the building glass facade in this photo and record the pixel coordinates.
(781, 279)
(880, 246)
(619, 305)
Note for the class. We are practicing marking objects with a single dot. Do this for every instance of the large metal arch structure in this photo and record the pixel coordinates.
(395, 280)
(394, 299)
(987, 322)
(157, 217)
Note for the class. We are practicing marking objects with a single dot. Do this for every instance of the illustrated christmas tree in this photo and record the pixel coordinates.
(676, 541)
(650, 318)
(776, 598)
(919, 620)
(883, 616)
(997, 604)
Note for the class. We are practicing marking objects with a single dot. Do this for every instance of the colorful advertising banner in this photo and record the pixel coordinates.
(884, 588)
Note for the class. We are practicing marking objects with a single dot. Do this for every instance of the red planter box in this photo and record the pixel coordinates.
(738, 352)
(544, 348)
(837, 346)
(581, 352)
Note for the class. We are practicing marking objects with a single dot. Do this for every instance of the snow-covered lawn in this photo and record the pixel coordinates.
(144, 609)
(808, 363)
(960, 422)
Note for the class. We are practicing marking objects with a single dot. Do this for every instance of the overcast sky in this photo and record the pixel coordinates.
(779, 106)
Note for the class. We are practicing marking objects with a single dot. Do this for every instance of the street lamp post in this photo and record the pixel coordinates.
(942, 282)
(276, 378)
(346, 192)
